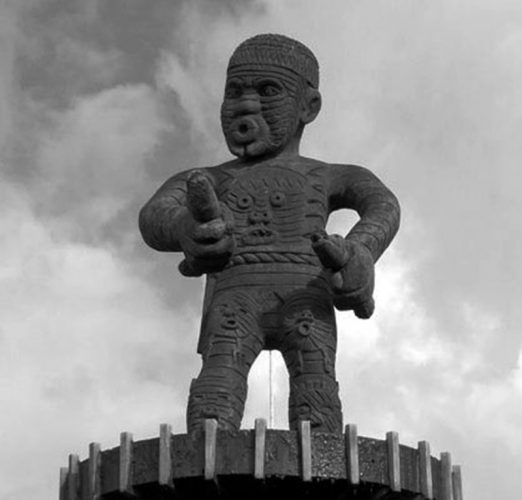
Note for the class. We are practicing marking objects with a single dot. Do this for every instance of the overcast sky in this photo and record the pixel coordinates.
(102, 100)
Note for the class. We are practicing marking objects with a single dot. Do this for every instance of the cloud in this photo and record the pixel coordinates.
(64, 337)
(91, 344)
(194, 67)
(7, 56)
(432, 112)
(95, 154)
(101, 101)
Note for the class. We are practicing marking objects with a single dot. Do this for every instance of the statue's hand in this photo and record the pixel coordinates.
(351, 272)
(206, 229)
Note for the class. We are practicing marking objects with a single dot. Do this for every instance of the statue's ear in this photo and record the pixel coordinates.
(311, 105)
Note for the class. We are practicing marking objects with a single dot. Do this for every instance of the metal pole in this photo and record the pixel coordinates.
(270, 391)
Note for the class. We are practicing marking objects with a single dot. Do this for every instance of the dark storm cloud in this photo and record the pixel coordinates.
(90, 316)
(65, 41)
(68, 52)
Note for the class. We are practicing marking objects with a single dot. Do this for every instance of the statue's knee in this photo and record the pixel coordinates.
(315, 398)
(221, 398)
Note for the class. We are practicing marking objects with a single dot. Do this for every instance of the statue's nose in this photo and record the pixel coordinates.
(260, 216)
(247, 105)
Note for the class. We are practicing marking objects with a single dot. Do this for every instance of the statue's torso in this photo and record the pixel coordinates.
(276, 208)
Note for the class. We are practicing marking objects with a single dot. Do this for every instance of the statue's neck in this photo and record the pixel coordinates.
(291, 151)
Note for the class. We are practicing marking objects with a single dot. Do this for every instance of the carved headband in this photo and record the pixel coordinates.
(277, 50)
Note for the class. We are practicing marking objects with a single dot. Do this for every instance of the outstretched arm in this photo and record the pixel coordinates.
(159, 219)
(186, 215)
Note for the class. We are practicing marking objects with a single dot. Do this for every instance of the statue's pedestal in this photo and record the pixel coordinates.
(260, 464)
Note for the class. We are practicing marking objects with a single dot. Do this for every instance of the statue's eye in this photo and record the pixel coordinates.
(232, 91)
(277, 199)
(269, 89)
(244, 201)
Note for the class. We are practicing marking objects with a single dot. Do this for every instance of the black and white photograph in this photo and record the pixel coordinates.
(263, 249)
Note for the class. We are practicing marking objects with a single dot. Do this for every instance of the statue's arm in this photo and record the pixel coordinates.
(159, 219)
(351, 260)
(357, 188)
(185, 215)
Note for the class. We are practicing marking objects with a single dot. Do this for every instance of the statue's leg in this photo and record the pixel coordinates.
(308, 346)
(232, 343)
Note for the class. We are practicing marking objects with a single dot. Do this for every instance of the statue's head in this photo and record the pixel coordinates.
(271, 93)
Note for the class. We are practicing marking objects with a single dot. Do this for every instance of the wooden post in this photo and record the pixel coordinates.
(352, 453)
(394, 464)
(94, 472)
(305, 436)
(63, 483)
(73, 478)
(425, 475)
(456, 477)
(125, 476)
(211, 426)
(445, 476)
(259, 448)
(165, 457)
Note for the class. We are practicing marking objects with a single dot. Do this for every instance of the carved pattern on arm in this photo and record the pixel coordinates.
(157, 219)
(374, 202)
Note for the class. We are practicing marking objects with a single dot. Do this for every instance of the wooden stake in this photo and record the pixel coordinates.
(165, 457)
(426, 479)
(306, 450)
(73, 478)
(260, 444)
(63, 483)
(445, 476)
(125, 476)
(211, 426)
(352, 453)
(394, 460)
(456, 477)
(94, 472)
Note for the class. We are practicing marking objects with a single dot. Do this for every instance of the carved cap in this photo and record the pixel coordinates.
(278, 50)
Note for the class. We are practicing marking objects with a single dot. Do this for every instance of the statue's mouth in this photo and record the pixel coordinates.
(249, 135)
(245, 130)
(259, 236)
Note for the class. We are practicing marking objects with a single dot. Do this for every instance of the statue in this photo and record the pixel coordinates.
(255, 226)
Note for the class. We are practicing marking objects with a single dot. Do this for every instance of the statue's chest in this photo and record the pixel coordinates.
(274, 205)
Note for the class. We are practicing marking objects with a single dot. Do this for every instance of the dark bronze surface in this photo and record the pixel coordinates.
(256, 227)
(234, 476)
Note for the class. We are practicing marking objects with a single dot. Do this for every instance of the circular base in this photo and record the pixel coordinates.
(272, 488)
(261, 464)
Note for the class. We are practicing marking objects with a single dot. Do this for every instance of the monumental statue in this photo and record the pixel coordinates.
(255, 226)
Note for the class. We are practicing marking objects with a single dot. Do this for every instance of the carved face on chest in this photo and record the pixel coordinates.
(271, 206)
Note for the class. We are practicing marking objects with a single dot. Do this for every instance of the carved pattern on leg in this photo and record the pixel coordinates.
(216, 397)
(232, 343)
(315, 398)
(308, 347)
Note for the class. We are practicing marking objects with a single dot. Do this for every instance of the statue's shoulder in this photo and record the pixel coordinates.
(331, 169)
(215, 172)
(222, 170)
(348, 168)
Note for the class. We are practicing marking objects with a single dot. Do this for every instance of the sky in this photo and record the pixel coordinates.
(103, 100)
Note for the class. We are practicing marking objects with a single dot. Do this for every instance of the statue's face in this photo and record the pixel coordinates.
(260, 111)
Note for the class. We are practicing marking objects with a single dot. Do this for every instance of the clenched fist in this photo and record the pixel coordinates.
(351, 271)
